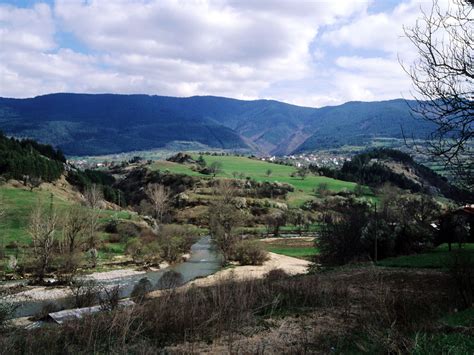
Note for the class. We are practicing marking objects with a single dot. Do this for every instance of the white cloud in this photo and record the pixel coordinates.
(238, 48)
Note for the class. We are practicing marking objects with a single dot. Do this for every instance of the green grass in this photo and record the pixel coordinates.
(448, 343)
(436, 258)
(295, 252)
(464, 318)
(302, 248)
(256, 169)
(18, 204)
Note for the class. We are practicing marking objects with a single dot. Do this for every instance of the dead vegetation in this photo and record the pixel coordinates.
(364, 310)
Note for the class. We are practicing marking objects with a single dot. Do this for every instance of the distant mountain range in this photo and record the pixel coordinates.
(93, 124)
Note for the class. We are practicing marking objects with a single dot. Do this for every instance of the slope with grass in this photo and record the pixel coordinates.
(257, 170)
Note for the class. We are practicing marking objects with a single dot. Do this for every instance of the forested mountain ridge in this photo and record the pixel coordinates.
(91, 124)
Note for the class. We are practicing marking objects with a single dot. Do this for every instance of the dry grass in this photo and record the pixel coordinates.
(354, 309)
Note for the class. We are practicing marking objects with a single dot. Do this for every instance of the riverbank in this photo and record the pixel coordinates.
(292, 266)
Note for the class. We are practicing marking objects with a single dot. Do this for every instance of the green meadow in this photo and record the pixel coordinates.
(18, 204)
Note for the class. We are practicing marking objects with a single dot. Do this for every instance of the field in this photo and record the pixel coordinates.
(18, 204)
(301, 248)
(257, 170)
(438, 258)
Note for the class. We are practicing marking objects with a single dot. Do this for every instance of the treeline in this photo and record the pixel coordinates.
(85, 179)
(26, 160)
(366, 169)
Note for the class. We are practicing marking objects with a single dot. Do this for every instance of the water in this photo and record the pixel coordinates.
(204, 261)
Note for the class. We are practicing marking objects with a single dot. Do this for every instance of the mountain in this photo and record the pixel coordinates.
(92, 124)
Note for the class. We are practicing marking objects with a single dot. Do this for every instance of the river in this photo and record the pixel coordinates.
(204, 261)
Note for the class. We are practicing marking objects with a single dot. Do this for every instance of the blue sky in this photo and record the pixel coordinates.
(306, 52)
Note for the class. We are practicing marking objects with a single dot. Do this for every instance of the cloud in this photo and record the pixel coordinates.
(238, 48)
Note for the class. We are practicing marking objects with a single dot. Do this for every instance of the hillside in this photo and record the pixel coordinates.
(85, 124)
(377, 167)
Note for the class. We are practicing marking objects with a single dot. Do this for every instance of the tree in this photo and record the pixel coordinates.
(275, 221)
(224, 217)
(201, 162)
(75, 227)
(340, 239)
(215, 168)
(42, 229)
(302, 172)
(443, 80)
(268, 172)
(93, 196)
(2, 215)
(159, 197)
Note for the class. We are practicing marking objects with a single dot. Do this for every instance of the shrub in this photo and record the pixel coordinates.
(140, 290)
(45, 310)
(276, 275)
(7, 311)
(170, 279)
(128, 230)
(114, 238)
(85, 293)
(248, 252)
(109, 298)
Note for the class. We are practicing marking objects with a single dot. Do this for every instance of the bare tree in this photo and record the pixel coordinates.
(215, 168)
(75, 227)
(42, 229)
(93, 196)
(225, 191)
(302, 172)
(159, 197)
(443, 80)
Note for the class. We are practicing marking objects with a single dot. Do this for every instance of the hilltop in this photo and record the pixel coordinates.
(87, 124)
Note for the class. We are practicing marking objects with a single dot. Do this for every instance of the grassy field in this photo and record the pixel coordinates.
(302, 248)
(18, 204)
(257, 169)
(437, 258)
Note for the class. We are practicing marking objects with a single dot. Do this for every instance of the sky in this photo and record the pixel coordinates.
(305, 52)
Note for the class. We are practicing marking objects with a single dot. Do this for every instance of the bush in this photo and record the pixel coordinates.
(276, 275)
(7, 311)
(85, 293)
(140, 290)
(114, 238)
(249, 252)
(128, 230)
(109, 298)
(45, 310)
(170, 279)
